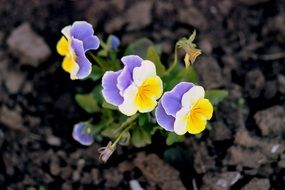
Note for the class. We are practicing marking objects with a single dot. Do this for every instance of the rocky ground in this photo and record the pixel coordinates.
(243, 43)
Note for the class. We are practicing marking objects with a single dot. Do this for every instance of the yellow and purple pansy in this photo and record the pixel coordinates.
(82, 134)
(134, 88)
(184, 109)
(76, 40)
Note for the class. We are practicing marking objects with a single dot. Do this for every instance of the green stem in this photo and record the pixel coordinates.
(127, 122)
(96, 59)
(174, 62)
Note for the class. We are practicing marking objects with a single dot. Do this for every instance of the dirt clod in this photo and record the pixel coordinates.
(28, 46)
(257, 184)
(157, 172)
(271, 121)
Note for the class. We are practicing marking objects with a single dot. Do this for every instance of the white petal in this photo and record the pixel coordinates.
(180, 123)
(128, 107)
(192, 96)
(66, 31)
(147, 69)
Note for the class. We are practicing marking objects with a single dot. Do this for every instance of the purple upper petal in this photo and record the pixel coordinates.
(171, 101)
(164, 120)
(126, 78)
(80, 134)
(110, 90)
(84, 64)
(92, 42)
(83, 31)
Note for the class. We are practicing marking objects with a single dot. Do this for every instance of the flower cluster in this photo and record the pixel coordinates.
(183, 109)
(76, 40)
(134, 88)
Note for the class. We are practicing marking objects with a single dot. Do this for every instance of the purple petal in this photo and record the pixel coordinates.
(81, 30)
(126, 77)
(164, 120)
(92, 42)
(171, 101)
(80, 135)
(115, 42)
(110, 90)
(84, 64)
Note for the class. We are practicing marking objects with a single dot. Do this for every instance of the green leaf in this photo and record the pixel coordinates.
(143, 119)
(189, 75)
(97, 94)
(140, 137)
(174, 138)
(153, 56)
(216, 96)
(87, 102)
(108, 106)
(96, 73)
(139, 47)
(110, 130)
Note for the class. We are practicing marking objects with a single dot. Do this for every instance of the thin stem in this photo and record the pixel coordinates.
(174, 62)
(127, 122)
(96, 59)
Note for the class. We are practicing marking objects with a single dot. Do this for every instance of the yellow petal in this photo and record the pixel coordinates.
(62, 46)
(196, 123)
(150, 90)
(193, 54)
(203, 107)
(187, 60)
(70, 66)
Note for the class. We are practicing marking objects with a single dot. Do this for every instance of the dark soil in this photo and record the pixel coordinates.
(243, 45)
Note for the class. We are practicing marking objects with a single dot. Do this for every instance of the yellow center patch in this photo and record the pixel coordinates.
(198, 116)
(148, 93)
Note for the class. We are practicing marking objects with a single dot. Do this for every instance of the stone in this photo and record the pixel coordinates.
(12, 119)
(53, 140)
(113, 177)
(28, 46)
(271, 121)
(257, 184)
(95, 175)
(221, 181)
(86, 178)
(220, 132)
(255, 83)
(139, 15)
(13, 81)
(244, 157)
(192, 17)
(281, 83)
(209, 72)
(66, 172)
(270, 89)
(252, 2)
(245, 139)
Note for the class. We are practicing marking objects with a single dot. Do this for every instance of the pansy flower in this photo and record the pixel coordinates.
(76, 40)
(191, 52)
(134, 88)
(114, 41)
(183, 109)
(83, 134)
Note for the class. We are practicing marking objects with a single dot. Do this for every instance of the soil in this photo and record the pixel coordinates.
(243, 45)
